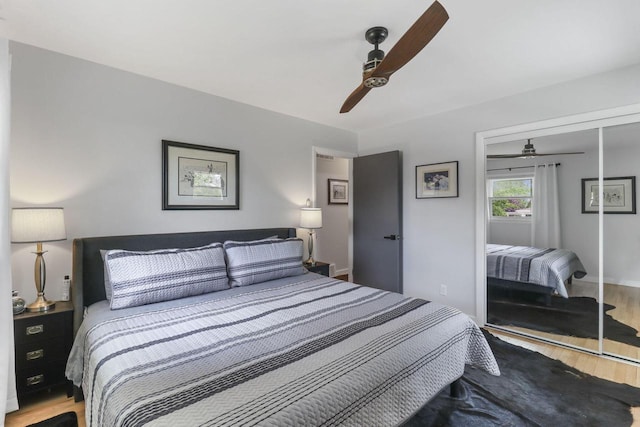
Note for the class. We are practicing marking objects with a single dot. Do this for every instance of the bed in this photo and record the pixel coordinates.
(532, 269)
(301, 349)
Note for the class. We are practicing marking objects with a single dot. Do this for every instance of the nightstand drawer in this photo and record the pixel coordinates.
(32, 329)
(40, 352)
(40, 377)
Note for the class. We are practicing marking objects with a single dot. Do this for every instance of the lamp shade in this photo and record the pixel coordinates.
(311, 218)
(36, 225)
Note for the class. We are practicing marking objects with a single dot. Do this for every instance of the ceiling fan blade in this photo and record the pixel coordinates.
(515, 156)
(557, 154)
(413, 41)
(354, 98)
(503, 156)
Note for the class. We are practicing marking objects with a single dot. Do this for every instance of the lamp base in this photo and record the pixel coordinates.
(41, 304)
(310, 262)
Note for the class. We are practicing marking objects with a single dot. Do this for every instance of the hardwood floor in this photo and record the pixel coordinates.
(43, 406)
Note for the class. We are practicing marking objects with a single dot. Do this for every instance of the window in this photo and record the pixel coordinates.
(511, 197)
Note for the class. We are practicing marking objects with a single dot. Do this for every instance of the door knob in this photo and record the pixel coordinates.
(392, 237)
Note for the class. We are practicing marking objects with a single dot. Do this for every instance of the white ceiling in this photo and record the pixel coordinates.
(303, 58)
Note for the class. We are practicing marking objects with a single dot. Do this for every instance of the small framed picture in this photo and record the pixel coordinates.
(199, 177)
(437, 180)
(338, 192)
(618, 194)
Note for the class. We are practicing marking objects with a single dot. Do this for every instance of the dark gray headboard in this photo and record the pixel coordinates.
(88, 271)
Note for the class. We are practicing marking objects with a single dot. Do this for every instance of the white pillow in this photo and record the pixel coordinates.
(138, 278)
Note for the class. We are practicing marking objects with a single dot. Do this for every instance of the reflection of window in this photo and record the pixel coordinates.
(510, 197)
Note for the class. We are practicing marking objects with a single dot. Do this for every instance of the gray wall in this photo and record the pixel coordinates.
(87, 137)
(440, 233)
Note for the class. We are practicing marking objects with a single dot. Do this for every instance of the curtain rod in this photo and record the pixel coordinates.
(517, 167)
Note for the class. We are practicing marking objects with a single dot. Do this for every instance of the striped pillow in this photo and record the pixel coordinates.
(263, 260)
(139, 278)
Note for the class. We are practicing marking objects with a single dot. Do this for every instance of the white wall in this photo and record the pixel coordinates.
(88, 138)
(333, 238)
(440, 233)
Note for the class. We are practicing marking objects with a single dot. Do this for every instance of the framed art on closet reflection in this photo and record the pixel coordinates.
(619, 195)
(199, 177)
(437, 180)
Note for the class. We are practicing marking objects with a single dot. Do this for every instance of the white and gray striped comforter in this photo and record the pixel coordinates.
(544, 267)
(298, 351)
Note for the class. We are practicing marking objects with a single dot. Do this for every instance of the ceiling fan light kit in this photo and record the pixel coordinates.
(379, 68)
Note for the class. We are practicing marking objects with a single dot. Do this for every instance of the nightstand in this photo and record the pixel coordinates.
(320, 268)
(42, 344)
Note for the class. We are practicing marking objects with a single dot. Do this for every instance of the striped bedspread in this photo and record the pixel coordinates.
(299, 351)
(544, 267)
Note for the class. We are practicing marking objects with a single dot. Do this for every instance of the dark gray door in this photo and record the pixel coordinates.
(377, 221)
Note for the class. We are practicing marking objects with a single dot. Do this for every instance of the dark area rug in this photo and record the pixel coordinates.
(575, 316)
(533, 390)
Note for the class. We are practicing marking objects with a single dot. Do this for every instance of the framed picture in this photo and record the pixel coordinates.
(437, 180)
(619, 195)
(338, 192)
(199, 177)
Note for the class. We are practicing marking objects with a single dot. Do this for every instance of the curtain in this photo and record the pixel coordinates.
(545, 226)
(8, 397)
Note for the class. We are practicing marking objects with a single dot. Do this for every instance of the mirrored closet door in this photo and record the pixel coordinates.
(621, 241)
(559, 253)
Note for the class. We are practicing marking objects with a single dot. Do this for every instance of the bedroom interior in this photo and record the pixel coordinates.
(84, 131)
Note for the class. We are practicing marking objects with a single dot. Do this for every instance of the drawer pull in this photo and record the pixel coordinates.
(36, 354)
(36, 379)
(35, 329)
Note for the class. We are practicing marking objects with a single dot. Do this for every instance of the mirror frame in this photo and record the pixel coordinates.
(585, 121)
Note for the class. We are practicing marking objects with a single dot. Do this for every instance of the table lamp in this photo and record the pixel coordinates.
(37, 225)
(311, 219)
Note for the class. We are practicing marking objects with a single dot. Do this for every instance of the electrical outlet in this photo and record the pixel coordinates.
(443, 290)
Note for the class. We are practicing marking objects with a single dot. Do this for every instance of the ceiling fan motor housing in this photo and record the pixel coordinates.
(373, 59)
(528, 149)
(375, 36)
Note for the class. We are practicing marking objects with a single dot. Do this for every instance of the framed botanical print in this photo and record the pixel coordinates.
(199, 177)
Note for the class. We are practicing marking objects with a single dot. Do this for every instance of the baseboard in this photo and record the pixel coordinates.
(611, 280)
(333, 272)
(12, 405)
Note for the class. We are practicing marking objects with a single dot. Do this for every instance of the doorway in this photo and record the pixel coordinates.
(332, 193)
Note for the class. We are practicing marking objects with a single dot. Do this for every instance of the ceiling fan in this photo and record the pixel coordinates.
(528, 152)
(378, 68)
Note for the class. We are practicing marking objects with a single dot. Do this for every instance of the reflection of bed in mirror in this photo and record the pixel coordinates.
(537, 270)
